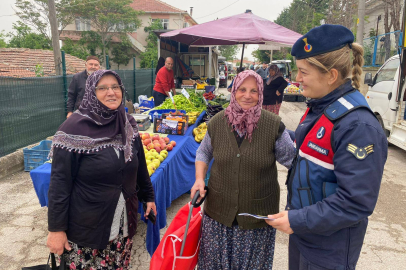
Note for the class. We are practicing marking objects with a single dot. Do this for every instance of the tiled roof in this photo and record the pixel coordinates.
(21, 62)
(154, 6)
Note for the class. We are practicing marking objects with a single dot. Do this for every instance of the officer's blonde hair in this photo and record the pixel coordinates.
(341, 61)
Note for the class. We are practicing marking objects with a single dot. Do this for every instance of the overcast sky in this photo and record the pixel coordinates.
(203, 11)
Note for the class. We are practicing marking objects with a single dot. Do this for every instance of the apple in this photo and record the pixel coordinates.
(166, 139)
(169, 147)
(152, 151)
(156, 142)
(145, 136)
(150, 146)
(147, 141)
(160, 158)
(157, 162)
(161, 141)
(158, 148)
(163, 146)
(173, 143)
(155, 137)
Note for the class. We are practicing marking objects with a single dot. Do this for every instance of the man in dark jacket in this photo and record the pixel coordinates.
(78, 84)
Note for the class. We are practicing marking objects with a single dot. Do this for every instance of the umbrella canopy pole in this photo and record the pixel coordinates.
(242, 55)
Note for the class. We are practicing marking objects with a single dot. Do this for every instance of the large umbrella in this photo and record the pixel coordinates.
(245, 28)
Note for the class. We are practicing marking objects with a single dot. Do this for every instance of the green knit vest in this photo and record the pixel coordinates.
(243, 179)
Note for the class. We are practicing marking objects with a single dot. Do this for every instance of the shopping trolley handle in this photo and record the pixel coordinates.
(197, 195)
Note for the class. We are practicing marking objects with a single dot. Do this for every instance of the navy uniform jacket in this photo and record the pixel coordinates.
(330, 232)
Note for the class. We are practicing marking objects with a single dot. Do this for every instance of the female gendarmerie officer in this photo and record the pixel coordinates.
(334, 181)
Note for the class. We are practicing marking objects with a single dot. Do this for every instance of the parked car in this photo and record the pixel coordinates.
(387, 100)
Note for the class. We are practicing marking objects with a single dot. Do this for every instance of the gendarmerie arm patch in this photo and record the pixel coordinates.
(360, 152)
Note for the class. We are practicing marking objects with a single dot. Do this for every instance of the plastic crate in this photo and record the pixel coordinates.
(36, 156)
(209, 88)
(146, 104)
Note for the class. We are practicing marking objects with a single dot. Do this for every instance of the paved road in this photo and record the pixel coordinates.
(23, 223)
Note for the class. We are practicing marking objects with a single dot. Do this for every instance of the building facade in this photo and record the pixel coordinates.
(171, 18)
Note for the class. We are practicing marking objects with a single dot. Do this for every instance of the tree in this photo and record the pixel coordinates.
(35, 15)
(344, 12)
(151, 52)
(303, 15)
(25, 38)
(392, 17)
(3, 43)
(122, 52)
(228, 51)
(261, 55)
(75, 49)
(92, 41)
(111, 18)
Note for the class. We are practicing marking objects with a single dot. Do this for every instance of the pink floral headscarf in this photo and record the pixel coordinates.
(245, 121)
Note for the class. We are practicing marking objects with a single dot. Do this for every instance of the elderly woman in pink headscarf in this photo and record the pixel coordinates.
(245, 142)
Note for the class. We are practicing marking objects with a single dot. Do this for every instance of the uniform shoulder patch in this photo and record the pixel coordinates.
(360, 153)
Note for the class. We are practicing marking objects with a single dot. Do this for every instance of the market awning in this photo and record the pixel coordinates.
(245, 28)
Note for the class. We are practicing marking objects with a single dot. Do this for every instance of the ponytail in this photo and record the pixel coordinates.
(358, 62)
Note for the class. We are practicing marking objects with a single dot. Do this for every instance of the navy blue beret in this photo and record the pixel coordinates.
(322, 39)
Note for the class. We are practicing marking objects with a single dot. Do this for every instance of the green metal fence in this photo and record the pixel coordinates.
(32, 108)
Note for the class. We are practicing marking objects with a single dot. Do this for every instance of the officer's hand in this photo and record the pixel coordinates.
(277, 93)
(69, 114)
(280, 222)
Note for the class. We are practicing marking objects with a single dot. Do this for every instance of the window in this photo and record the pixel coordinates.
(185, 24)
(388, 72)
(165, 22)
(82, 24)
(196, 61)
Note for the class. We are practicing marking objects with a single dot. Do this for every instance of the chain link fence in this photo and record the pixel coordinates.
(33, 102)
(380, 48)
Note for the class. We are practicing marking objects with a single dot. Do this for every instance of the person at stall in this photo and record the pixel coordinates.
(164, 82)
(273, 90)
(232, 81)
(263, 71)
(78, 84)
(334, 182)
(99, 174)
(245, 142)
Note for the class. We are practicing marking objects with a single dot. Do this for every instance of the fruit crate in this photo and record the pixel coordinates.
(36, 156)
(160, 127)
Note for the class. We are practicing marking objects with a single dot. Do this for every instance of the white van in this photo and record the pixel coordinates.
(387, 101)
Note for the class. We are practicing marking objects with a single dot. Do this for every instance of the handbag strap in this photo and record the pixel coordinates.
(62, 265)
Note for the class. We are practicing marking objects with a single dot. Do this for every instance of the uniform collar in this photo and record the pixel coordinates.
(319, 105)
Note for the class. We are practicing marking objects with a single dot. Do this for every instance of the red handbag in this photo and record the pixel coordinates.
(177, 250)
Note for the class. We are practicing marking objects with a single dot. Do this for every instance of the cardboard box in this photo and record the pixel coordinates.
(188, 82)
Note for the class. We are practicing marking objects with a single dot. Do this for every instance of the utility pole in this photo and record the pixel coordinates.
(360, 28)
(55, 37)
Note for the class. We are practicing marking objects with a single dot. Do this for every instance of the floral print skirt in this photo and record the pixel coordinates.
(272, 108)
(116, 256)
(228, 248)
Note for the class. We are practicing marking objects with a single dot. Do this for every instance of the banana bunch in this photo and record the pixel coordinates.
(192, 117)
(200, 132)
